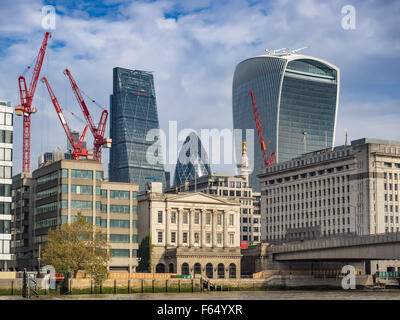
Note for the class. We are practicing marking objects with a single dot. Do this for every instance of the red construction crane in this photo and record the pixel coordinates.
(267, 161)
(26, 109)
(97, 131)
(77, 146)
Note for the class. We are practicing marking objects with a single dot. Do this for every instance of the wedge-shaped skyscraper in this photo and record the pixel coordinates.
(297, 98)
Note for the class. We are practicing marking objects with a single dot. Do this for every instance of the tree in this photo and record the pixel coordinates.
(77, 246)
(144, 252)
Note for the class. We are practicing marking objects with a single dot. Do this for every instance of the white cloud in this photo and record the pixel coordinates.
(193, 57)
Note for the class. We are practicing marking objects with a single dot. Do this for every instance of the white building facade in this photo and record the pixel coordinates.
(343, 190)
(6, 148)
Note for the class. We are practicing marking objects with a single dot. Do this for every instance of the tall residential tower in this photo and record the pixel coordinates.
(133, 114)
(297, 98)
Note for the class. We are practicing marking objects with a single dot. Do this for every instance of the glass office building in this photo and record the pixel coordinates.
(297, 99)
(192, 161)
(133, 114)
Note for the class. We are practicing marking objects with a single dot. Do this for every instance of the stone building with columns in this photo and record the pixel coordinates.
(193, 233)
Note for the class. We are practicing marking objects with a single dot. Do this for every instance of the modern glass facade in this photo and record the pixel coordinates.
(133, 114)
(297, 99)
(192, 161)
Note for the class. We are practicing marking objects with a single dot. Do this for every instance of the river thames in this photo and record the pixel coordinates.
(237, 295)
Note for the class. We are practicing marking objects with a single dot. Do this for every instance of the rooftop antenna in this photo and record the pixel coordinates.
(297, 50)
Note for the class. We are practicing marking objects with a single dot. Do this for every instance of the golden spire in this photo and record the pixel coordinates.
(244, 147)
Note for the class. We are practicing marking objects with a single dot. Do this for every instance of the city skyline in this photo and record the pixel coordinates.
(193, 49)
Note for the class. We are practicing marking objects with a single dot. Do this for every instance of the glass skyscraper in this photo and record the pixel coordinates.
(297, 97)
(192, 161)
(133, 114)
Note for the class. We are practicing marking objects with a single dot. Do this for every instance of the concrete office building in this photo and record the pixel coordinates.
(133, 114)
(297, 99)
(6, 147)
(192, 233)
(56, 192)
(337, 191)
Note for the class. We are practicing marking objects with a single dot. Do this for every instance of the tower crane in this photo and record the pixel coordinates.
(267, 161)
(97, 131)
(26, 109)
(78, 151)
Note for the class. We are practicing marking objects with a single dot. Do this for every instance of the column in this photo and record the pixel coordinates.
(190, 237)
(214, 228)
(166, 228)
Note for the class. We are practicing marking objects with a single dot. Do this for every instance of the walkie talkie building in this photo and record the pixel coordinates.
(297, 97)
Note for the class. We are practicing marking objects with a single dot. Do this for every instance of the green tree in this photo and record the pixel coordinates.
(144, 252)
(77, 246)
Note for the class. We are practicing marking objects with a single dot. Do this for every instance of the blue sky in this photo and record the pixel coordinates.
(193, 48)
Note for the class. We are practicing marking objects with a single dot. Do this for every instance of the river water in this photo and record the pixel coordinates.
(241, 295)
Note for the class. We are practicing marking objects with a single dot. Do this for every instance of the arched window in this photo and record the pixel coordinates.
(232, 270)
(209, 270)
(160, 268)
(197, 268)
(171, 268)
(185, 268)
(221, 270)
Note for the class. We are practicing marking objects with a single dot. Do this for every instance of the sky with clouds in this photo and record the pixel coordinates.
(193, 48)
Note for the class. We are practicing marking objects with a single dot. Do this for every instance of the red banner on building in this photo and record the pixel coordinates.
(244, 245)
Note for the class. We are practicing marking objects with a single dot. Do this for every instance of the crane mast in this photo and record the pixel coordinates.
(77, 146)
(98, 132)
(26, 109)
(267, 161)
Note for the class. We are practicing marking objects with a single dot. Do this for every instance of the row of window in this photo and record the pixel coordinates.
(80, 174)
(316, 183)
(5, 190)
(311, 224)
(124, 238)
(305, 215)
(118, 194)
(196, 218)
(297, 163)
(196, 237)
(281, 208)
(123, 253)
(248, 229)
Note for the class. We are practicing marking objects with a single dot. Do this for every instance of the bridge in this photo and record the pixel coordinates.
(324, 253)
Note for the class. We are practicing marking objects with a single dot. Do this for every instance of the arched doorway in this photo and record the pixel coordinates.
(160, 268)
(185, 268)
(209, 270)
(171, 268)
(232, 270)
(221, 271)
(197, 268)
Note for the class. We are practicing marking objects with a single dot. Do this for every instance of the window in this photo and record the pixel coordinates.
(185, 218)
(185, 237)
(119, 238)
(208, 218)
(219, 219)
(159, 237)
(173, 237)
(119, 223)
(196, 237)
(160, 216)
(196, 218)
(208, 238)
(173, 217)
(231, 219)
(231, 239)
(81, 174)
(219, 238)
(120, 253)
